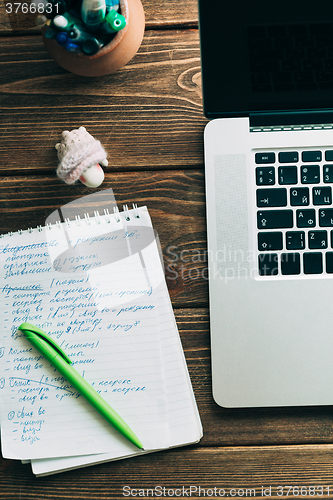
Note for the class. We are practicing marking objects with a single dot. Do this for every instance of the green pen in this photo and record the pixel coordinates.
(59, 359)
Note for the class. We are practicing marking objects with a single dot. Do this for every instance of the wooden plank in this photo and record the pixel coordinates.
(161, 13)
(16, 23)
(158, 13)
(147, 115)
(284, 471)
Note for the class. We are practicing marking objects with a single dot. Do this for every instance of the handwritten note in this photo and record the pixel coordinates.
(94, 288)
(183, 419)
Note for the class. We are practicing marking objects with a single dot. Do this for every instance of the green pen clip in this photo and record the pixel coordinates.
(36, 334)
(115, 20)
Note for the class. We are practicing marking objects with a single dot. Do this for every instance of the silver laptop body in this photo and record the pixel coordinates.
(270, 274)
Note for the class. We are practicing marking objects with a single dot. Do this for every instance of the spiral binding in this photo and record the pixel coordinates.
(87, 220)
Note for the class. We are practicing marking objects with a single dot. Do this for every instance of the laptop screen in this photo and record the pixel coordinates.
(263, 56)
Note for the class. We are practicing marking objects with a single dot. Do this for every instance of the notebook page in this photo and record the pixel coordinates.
(183, 417)
(117, 348)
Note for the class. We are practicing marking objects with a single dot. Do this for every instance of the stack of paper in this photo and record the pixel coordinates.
(97, 287)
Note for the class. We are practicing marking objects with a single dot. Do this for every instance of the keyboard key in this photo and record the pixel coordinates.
(272, 197)
(310, 175)
(299, 196)
(306, 217)
(298, 30)
(275, 219)
(329, 262)
(302, 77)
(295, 240)
(324, 75)
(328, 173)
(322, 196)
(329, 155)
(277, 31)
(265, 176)
(311, 156)
(282, 77)
(288, 175)
(270, 241)
(313, 263)
(288, 157)
(264, 54)
(316, 53)
(268, 264)
(317, 239)
(295, 53)
(265, 158)
(326, 217)
(260, 78)
(313, 65)
(290, 263)
(291, 65)
(304, 42)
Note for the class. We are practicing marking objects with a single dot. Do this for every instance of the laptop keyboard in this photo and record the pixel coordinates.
(294, 212)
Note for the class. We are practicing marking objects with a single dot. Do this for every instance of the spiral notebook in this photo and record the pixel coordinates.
(96, 285)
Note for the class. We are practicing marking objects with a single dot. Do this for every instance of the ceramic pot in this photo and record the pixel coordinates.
(112, 56)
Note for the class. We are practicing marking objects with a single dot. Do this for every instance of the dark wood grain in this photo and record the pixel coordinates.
(12, 23)
(237, 470)
(158, 13)
(148, 115)
(176, 203)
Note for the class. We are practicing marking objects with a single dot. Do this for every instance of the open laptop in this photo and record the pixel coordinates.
(267, 75)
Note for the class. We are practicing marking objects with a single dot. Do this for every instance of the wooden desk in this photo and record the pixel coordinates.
(149, 118)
